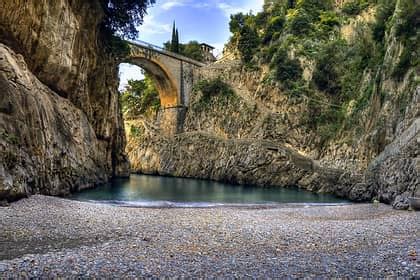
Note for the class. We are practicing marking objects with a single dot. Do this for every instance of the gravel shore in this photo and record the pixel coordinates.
(51, 237)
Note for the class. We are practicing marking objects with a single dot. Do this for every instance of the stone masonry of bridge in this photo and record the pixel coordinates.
(174, 76)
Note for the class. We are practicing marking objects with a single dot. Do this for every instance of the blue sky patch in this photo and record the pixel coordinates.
(203, 21)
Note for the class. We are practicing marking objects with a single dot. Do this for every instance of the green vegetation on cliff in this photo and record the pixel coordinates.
(330, 55)
(213, 90)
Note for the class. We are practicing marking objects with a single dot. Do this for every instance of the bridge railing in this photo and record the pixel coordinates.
(166, 52)
(149, 45)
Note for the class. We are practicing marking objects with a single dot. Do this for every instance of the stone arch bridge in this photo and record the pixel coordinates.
(173, 75)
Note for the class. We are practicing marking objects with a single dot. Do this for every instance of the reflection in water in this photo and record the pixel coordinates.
(145, 190)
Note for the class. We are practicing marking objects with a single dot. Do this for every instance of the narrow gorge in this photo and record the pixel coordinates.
(62, 128)
(129, 153)
(266, 125)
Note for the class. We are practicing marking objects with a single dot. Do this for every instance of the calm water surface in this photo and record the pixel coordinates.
(155, 191)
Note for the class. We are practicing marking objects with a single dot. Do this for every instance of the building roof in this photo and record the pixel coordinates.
(207, 45)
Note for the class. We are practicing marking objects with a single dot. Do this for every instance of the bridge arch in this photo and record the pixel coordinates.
(173, 75)
(164, 82)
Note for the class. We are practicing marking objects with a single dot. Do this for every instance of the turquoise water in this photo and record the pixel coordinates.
(155, 191)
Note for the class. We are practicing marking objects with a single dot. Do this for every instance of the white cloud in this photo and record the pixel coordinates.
(255, 5)
(248, 5)
(181, 3)
(151, 26)
(129, 72)
(228, 9)
(173, 3)
(218, 48)
(201, 5)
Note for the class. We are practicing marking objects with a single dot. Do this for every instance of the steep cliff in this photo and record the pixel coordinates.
(335, 83)
(60, 123)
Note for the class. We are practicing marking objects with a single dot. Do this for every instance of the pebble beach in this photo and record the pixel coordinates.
(54, 237)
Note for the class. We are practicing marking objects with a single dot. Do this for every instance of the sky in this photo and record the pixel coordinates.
(206, 21)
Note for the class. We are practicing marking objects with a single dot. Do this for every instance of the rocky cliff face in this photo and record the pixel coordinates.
(373, 153)
(239, 161)
(60, 122)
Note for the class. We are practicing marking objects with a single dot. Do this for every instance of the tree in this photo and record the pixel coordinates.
(286, 69)
(291, 4)
(192, 50)
(174, 45)
(237, 22)
(122, 16)
(384, 13)
(173, 39)
(177, 40)
(299, 22)
(140, 98)
(248, 42)
(274, 26)
(326, 73)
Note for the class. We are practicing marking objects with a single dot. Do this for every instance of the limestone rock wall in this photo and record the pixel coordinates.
(58, 97)
(375, 155)
(260, 111)
(395, 173)
(220, 133)
(246, 161)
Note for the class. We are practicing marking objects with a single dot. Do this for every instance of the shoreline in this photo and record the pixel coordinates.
(57, 237)
(211, 205)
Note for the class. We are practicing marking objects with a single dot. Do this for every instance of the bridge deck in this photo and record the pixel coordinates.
(161, 50)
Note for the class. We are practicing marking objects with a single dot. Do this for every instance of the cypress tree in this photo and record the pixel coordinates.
(173, 40)
(176, 41)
